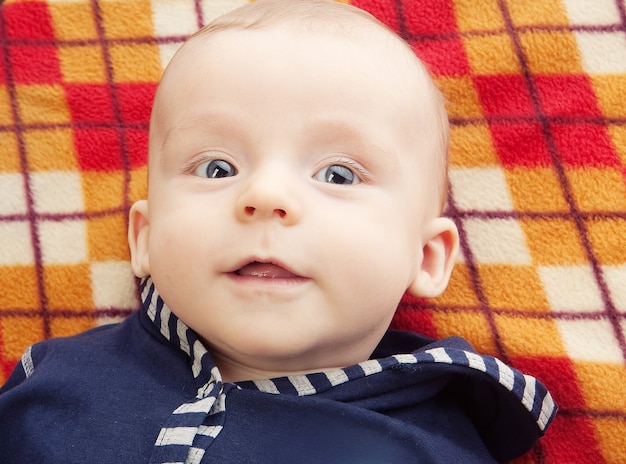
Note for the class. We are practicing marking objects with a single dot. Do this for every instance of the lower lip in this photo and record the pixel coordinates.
(268, 282)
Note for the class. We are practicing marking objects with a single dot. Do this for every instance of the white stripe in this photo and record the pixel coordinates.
(337, 377)
(439, 355)
(176, 436)
(204, 406)
(505, 375)
(266, 386)
(194, 456)
(547, 408)
(528, 399)
(405, 358)
(475, 361)
(181, 331)
(302, 385)
(27, 362)
(165, 319)
(210, 430)
(371, 367)
(198, 351)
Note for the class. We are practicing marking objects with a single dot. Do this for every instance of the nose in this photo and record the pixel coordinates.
(267, 198)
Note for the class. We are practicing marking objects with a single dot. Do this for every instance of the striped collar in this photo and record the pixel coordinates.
(183, 428)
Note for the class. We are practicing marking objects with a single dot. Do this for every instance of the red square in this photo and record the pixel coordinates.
(584, 145)
(135, 102)
(444, 57)
(89, 102)
(384, 10)
(428, 17)
(504, 95)
(412, 315)
(567, 95)
(520, 144)
(98, 149)
(3, 77)
(34, 64)
(136, 144)
(28, 20)
(571, 439)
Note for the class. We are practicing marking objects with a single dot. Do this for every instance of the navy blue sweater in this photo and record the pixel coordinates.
(146, 390)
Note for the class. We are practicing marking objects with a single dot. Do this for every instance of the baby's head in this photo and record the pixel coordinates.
(296, 179)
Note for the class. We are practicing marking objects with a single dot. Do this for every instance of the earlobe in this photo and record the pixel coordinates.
(138, 233)
(439, 252)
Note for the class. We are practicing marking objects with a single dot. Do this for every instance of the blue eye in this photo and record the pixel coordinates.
(337, 174)
(215, 169)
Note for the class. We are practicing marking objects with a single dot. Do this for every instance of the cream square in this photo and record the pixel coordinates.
(602, 53)
(211, 9)
(16, 244)
(63, 242)
(497, 241)
(482, 189)
(615, 278)
(113, 285)
(174, 17)
(12, 194)
(592, 12)
(167, 50)
(57, 192)
(571, 288)
(590, 340)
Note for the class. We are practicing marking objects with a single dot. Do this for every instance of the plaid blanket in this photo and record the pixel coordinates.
(537, 100)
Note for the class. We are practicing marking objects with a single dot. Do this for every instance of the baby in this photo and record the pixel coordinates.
(297, 173)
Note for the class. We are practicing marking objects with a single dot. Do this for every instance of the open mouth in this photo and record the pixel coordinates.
(261, 270)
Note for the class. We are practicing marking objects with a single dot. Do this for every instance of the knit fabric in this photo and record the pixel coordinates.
(536, 100)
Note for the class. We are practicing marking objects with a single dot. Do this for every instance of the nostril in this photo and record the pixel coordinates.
(281, 212)
(250, 210)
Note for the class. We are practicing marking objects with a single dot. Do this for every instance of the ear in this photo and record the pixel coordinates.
(138, 232)
(438, 255)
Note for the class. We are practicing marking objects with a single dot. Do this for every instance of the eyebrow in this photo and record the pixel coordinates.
(218, 121)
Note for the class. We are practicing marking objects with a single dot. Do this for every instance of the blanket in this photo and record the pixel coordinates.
(536, 94)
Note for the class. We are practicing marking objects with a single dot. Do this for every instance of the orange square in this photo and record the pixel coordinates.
(136, 63)
(618, 136)
(553, 242)
(526, 336)
(486, 18)
(513, 288)
(107, 238)
(68, 287)
(491, 54)
(18, 333)
(460, 291)
(610, 94)
(607, 240)
(6, 116)
(103, 191)
(18, 288)
(124, 19)
(598, 190)
(10, 159)
(551, 52)
(611, 432)
(462, 98)
(42, 104)
(600, 385)
(71, 325)
(73, 20)
(472, 146)
(471, 325)
(532, 12)
(50, 150)
(138, 184)
(82, 64)
(524, 184)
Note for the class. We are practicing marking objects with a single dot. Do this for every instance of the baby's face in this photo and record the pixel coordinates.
(289, 196)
